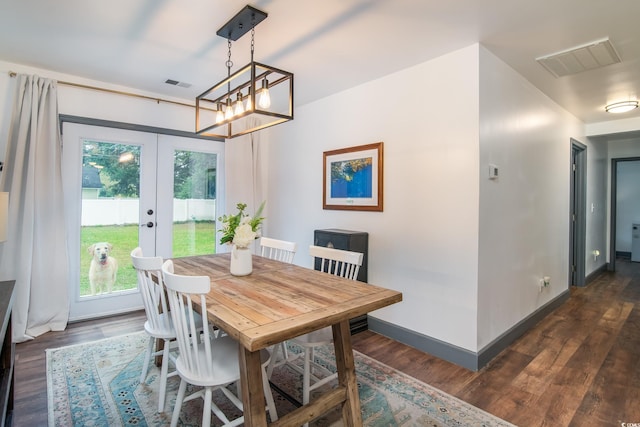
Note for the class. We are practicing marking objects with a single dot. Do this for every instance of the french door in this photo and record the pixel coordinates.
(128, 188)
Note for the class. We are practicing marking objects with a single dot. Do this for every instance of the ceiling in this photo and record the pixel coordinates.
(329, 45)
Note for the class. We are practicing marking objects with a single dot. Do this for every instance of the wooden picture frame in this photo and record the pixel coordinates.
(352, 178)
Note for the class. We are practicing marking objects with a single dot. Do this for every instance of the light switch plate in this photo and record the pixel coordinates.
(493, 172)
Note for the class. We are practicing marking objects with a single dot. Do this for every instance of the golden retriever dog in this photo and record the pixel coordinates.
(103, 269)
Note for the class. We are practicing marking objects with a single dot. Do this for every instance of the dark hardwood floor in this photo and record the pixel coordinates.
(30, 389)
(580, 366)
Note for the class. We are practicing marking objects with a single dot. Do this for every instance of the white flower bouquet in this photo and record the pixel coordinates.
(241, 229)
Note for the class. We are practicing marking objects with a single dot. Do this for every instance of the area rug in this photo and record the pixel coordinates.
(97, 384)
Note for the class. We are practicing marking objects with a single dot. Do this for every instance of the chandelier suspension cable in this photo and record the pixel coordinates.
(228, 112)
(264, 100)
(229, 63)
(250, 102)
(253, 34)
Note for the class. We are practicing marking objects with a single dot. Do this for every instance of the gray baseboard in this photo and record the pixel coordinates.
(595, 273)
(460, 356)
(433, 346)
(623, 254)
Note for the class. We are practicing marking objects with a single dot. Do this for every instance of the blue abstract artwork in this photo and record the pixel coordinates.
(352, 178)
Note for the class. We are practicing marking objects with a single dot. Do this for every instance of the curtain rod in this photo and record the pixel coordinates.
(118, 92)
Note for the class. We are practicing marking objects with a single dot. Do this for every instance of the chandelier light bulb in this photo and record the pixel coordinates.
(228, 112)
(239, 106)
(249, 106)
(265, 99)
(219, 115)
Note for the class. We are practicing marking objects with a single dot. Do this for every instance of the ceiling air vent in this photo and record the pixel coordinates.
(177, 83)
(599, 53)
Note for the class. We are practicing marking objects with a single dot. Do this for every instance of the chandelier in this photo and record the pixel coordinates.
(255, 97)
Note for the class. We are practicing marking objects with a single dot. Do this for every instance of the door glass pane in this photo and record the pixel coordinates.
(110, 216)
(194, 203)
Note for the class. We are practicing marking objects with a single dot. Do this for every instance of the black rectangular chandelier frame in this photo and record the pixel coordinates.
(246, 80)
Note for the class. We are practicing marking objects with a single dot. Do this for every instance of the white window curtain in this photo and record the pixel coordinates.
(35, 253)
(259, 187)
(245, 180)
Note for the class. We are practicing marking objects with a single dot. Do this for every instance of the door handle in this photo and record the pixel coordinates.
(149, 224)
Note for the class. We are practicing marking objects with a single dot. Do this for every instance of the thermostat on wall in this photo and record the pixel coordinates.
(493, 172)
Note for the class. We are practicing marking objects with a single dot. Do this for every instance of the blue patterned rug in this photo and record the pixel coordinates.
(97, 384)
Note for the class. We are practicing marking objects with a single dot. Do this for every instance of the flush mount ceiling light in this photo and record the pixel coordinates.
(621, 107)
(255, 97)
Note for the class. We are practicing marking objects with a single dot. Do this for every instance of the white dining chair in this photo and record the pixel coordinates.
(204, 361)
(339, 263)
(280, 250)
(284, 251)
(158, 325)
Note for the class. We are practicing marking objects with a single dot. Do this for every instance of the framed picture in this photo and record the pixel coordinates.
(352, 178)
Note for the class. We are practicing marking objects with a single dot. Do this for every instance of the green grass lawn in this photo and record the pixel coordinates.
(190, 238)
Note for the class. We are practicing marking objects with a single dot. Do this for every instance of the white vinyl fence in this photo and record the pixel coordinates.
(127, 211)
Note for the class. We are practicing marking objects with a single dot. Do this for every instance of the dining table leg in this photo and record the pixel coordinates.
(252, 392)
(345, 365)
(159, 348)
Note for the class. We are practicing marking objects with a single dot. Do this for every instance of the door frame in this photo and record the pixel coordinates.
(66, 118)
(82, 307)
(614, 208)
(132, 301)
(577, 214)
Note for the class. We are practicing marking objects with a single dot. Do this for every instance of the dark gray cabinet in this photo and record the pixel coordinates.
(348, 240)
(6, 353)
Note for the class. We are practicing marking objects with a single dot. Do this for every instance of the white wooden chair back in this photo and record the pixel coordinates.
(153, 295)
(280, 250)
(337, 261)
(211, 363)
(196, 350)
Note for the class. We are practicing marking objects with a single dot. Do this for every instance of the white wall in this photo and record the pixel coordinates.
(623, 148)
(597, 205)
(466, 252)
(612, 127)
(524, 214)
(424, 244)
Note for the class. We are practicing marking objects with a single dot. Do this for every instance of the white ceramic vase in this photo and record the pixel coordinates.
(241, 261)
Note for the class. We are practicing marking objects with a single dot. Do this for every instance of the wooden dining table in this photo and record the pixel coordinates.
(280, 301)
